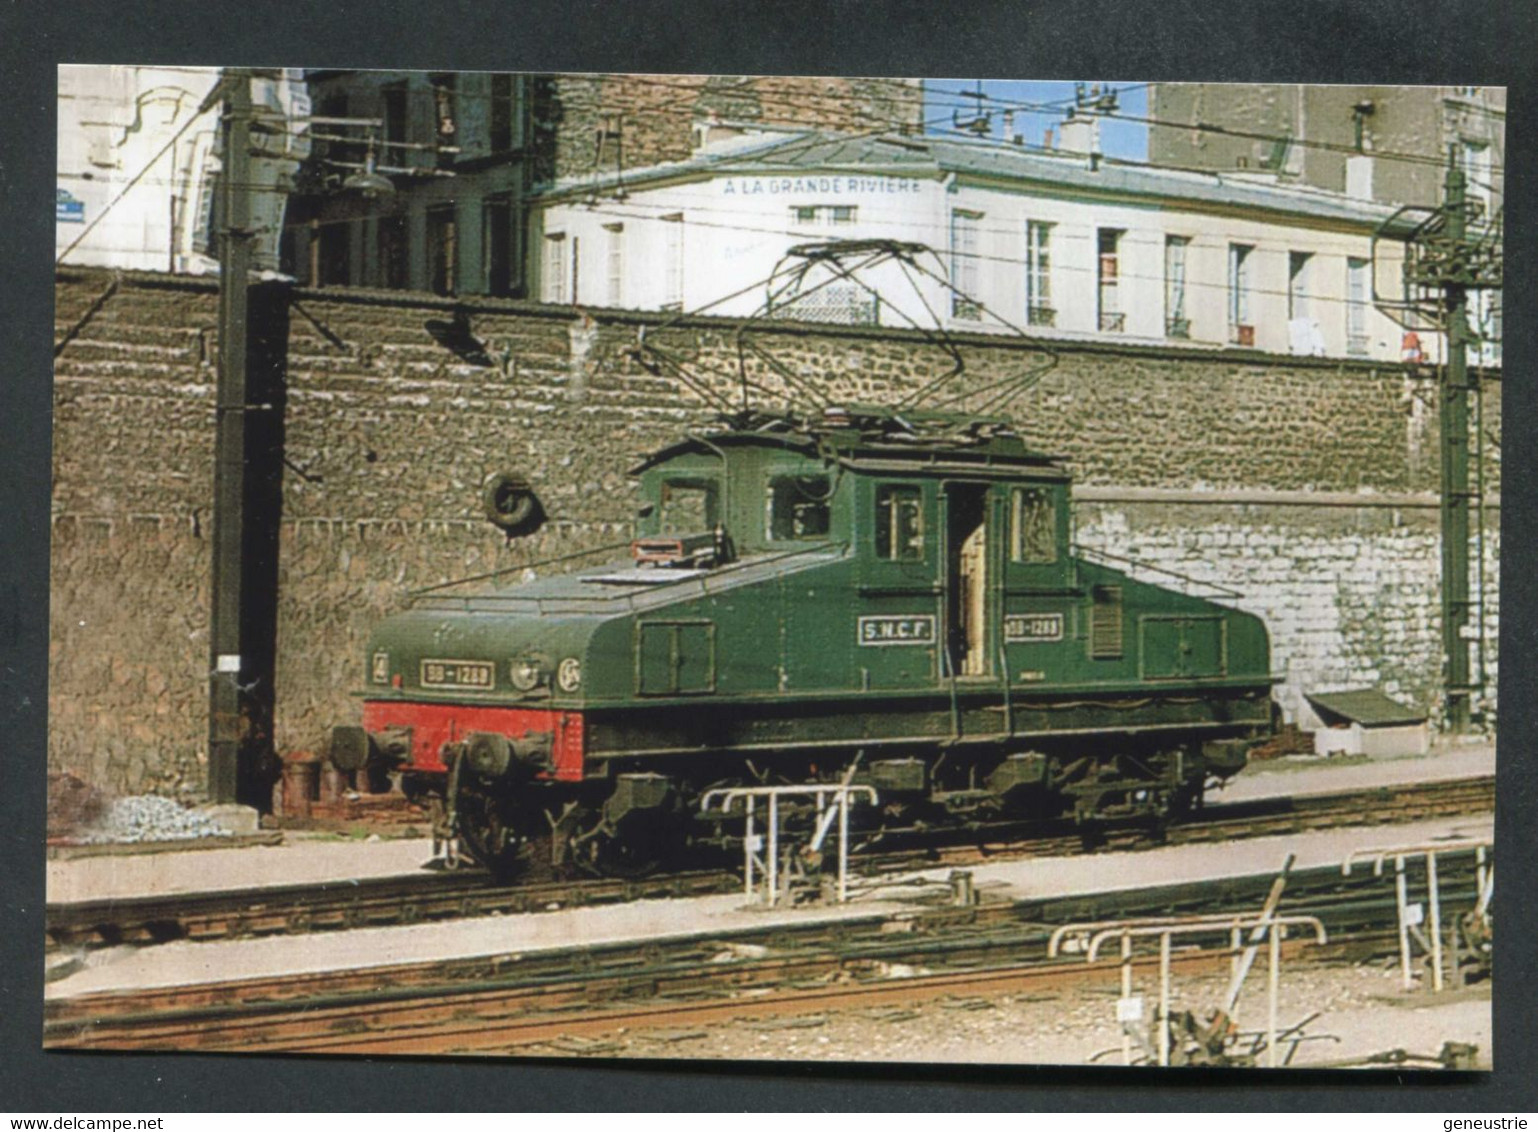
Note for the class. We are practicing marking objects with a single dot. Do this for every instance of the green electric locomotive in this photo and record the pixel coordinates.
(863, 596)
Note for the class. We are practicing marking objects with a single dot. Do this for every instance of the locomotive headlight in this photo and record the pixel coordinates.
(568, 676)
(379, 668)
(525, 673)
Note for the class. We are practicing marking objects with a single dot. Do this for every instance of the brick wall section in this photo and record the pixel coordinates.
(389, 436)
(659, 111)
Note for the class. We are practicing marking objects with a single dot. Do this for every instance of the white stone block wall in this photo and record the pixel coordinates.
(1350, 595)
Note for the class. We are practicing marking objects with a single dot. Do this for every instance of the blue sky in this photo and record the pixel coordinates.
(1117, 138)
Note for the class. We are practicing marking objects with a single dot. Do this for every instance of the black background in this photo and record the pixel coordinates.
(1487, 42)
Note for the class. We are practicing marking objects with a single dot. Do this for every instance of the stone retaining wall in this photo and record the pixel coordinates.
(389, 432)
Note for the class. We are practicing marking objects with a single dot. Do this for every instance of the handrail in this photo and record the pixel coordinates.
(1095, 553)
(1379, 856)
(515, 569)
(1210, 927)
(600, 600)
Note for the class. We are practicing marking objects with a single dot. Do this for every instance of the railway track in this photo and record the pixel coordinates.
(510, 1002)
(429, 896)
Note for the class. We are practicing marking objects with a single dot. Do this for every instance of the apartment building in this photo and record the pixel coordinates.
(1056, 244)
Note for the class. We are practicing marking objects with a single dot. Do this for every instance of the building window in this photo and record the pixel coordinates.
(1477, 170)
(497, 241)
(688, 507)
(1241, 331)
(1297, 284)
(1033, 526)
(501, 128)
(798, 507)
(1485, 322)
(822, 215)
(846, 303)
(334, 104)
(673, 262)
(1112, 318)
(1356, 306)
(964, 272)
(333, 261)
(555, 268)
(899, 523)
(442, 250)
(394, 96)
(391, 247)
(205, 226)
(614, 260)
(445, 117)
(1177, 323)
(1038, 275)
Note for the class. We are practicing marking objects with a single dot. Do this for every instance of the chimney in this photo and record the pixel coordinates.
(710, 129)
(1359, 176)
(1081, 134)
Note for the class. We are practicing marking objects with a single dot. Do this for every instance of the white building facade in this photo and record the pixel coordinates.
(138, 163)
(1058, 245)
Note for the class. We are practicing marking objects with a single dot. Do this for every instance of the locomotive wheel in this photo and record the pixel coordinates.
(626, 858)
(488, 839)
(637, 850)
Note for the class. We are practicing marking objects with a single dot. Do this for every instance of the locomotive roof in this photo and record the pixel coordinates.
(875, 439)
(601, 590)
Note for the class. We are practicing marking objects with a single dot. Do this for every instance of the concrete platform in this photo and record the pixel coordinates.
(1313, 775)
(298, 860)
(182, 963)
(303, 860)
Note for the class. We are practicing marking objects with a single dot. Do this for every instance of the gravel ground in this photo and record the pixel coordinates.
(148, 817)
(1363, 1013)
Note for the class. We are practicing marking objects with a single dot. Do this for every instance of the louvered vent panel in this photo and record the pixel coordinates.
(1105, 623)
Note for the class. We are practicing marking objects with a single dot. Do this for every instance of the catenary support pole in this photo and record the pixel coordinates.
(1456, 496)
(226, 644)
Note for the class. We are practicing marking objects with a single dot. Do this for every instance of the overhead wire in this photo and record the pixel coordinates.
(698, 88)
(1435, 160)
(627, 211)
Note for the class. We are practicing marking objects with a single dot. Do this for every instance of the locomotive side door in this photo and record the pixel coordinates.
(898, 623)
(1038, 589)
(969, 573)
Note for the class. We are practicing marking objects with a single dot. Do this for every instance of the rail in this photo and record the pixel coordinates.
(296, 909)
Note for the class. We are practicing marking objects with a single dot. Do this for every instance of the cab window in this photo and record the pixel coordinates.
(798, 507)
(688, 507)
(899, 523)
(1033, 526)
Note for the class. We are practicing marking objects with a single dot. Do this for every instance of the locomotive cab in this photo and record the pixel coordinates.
(762, 499)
